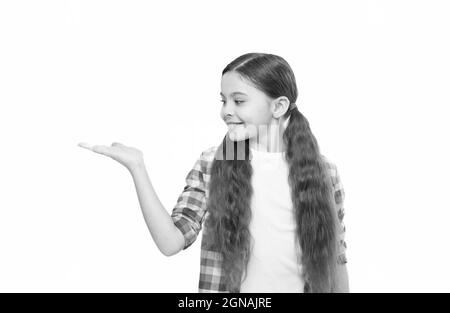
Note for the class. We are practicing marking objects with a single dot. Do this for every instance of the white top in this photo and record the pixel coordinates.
(274, 264)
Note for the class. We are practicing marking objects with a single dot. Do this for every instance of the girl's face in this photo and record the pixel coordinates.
(246, 110)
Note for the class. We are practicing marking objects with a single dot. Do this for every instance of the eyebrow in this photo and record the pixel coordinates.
(235, 93)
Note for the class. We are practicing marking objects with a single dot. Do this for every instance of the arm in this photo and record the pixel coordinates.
(189, 212)
(166, 235)
(339, 196)
(179, 230)
(342, 279)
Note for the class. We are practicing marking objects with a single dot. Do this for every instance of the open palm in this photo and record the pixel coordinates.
(127, 156)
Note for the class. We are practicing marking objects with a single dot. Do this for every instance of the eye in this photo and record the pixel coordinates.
(237, 101)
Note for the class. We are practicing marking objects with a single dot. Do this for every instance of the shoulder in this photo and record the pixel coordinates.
(338, 188)
(329, 165)
(208, 154)
(332, 170)
(206, 159)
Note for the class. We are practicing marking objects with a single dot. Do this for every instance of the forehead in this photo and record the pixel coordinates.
(233, 84)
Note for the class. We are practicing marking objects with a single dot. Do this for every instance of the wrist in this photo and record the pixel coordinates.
(136, 167)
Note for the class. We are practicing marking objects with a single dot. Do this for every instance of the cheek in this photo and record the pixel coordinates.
(256, 116)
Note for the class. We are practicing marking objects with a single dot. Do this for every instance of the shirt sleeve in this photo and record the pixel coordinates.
(339, 196)
(190, 209)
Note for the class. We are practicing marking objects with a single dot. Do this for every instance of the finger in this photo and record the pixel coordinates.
(85, 145)
(117, 144)
(105, 150)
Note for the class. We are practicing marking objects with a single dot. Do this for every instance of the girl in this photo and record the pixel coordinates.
(269, 203)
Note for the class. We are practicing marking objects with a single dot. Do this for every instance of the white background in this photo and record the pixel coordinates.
(373, 79)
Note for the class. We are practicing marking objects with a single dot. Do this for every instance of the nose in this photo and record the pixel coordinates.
(228, 109)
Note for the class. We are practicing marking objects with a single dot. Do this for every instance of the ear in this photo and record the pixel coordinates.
(280, 106)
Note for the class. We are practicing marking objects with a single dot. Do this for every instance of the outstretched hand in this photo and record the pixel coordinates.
(127, 156)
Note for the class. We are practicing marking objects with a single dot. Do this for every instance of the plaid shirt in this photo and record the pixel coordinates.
(190, 212)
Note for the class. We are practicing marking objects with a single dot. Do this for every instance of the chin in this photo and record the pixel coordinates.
(237, 137)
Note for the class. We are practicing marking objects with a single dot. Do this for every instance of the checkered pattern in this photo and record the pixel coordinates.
(190, 212)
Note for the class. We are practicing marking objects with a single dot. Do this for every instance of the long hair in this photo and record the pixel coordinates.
(311, 190)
